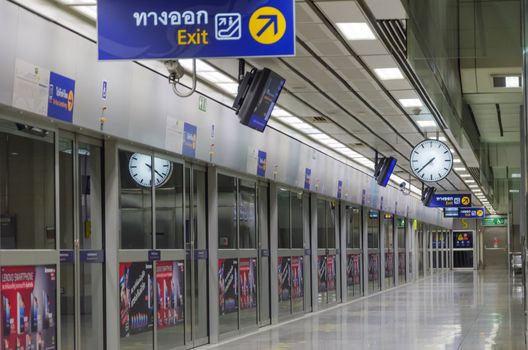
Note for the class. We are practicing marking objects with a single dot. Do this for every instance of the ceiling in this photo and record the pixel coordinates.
(332, 84)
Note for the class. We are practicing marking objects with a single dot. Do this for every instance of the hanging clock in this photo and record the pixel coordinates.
(431, 160)
(140, 168)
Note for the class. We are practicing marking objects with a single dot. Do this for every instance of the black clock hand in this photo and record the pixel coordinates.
(150, 167)
(429, 162)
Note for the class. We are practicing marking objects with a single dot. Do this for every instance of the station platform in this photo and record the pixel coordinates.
(451, 310)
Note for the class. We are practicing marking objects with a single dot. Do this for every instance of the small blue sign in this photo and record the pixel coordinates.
(200, 254)
(92, 256)
(444, 200)
(167, 29)
(471, 213)
(104, 90)
(154, 255)
(190, 134)
(262, 163)
(339, 189)
(61, 97)
(66, 256)
(307, 178)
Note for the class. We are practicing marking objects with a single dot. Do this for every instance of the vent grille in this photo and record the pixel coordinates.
(475, 172)
(317, 120)
(395, 32)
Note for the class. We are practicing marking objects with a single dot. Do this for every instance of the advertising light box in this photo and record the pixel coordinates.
(164, 29)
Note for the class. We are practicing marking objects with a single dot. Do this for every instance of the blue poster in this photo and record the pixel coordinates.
(262, 163)
(339, 189)
(190, 133)
(451, 200)
(167, 29)
(472, 213)
(61, 97)
(307, 178)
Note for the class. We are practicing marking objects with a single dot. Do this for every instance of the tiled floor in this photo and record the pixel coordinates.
(453, 310)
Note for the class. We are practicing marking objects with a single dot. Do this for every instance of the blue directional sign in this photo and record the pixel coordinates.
(165, 29)
(472, 213)
(444, 200)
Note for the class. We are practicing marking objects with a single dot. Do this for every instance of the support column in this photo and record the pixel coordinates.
(274, 244)
(212, 219)
(364, 233)
(112, 229)
(313, 256)
(342, 250)
(382, 236)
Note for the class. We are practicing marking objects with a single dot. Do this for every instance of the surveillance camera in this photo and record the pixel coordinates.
(175, 69)
(417, 111)
(403, 185)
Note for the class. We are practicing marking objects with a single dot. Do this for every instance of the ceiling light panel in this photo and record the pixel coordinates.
(388, 73)
(411, 102)
(356, 31)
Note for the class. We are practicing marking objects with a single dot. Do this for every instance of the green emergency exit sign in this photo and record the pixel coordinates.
(495, 221)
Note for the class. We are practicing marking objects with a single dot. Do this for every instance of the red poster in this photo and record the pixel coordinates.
(297, 277)
(170, 286)
(248, 287)
(331, 273)
(29, 307)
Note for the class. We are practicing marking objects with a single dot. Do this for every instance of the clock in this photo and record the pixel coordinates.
(140, 169)
(431, 160)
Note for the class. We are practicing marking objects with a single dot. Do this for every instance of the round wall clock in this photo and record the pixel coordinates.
(140, 168)
(431, 160)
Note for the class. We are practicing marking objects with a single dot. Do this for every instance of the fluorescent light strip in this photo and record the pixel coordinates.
(356, 31)
(411, 102)
(426, 123)
(388, 73)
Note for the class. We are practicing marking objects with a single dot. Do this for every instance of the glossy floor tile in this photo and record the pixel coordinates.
(451, 310)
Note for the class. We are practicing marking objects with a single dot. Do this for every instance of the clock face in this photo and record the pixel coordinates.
(140, 168)
(431, 161)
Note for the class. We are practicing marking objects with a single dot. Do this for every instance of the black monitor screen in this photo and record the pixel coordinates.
(261, 97)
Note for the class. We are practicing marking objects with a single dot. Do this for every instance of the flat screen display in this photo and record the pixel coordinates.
(451, 213)
(262, 95)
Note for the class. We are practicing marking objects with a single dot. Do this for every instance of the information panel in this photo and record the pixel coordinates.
(445, 200)
(164, 29)
(29, 314)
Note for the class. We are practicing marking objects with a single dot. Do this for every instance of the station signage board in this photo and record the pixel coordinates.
(446, 200)
(165, 29)
(495, 221)
(472, 213)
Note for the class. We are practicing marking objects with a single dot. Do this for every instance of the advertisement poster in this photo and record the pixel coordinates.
(136, 290)
(389, 264)
(297, 277)
(171, 291)
(284, 269)
(190, 134)
(321, 272)
(373, 268)
(28, 307)
(248, 285)
(463, 239)
(307, 178)
(353, 273)
(262, 163)
(401, 264)
(227, 285)
(331, 272)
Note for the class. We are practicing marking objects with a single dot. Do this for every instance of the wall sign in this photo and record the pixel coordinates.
(43, 92)
(472, 213)
(307, 178)
(495, 221)
(163, 29)
(446, 200)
